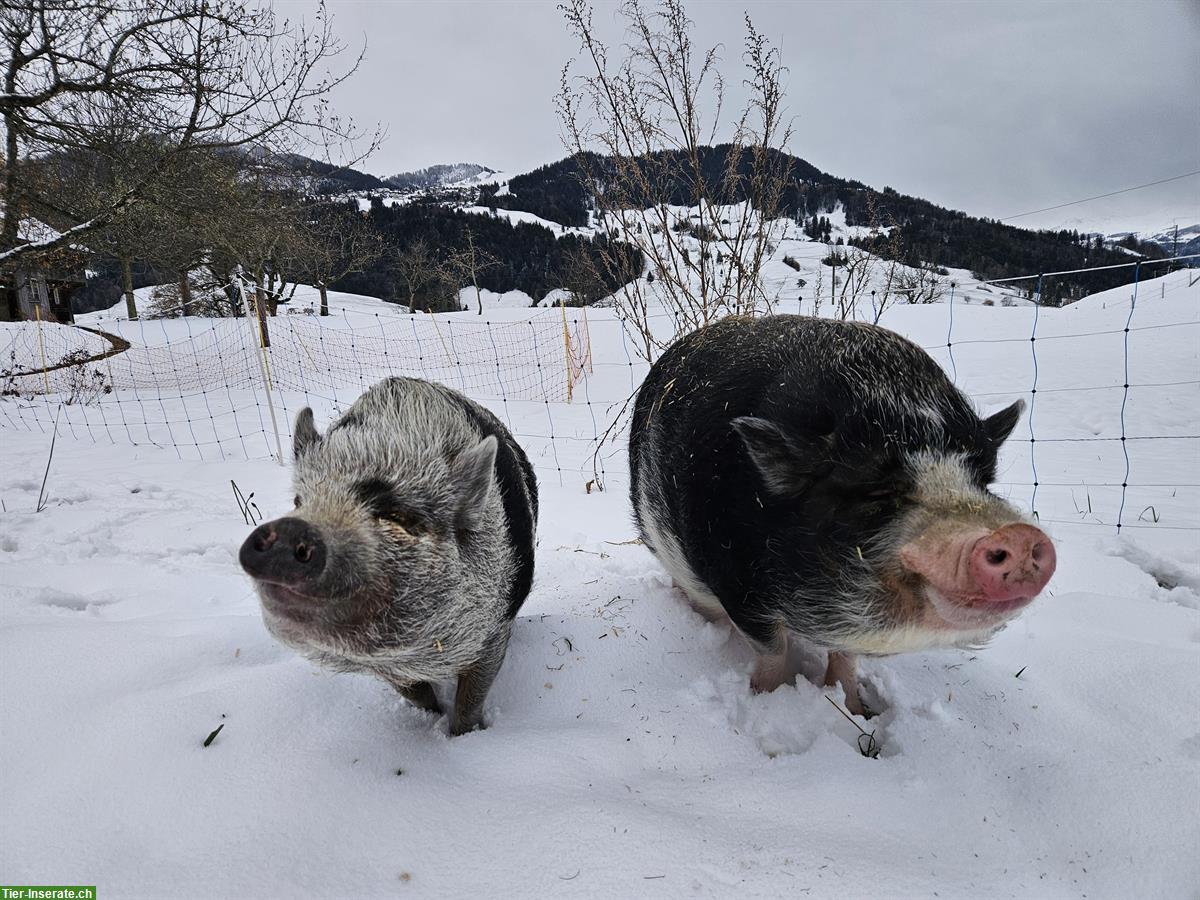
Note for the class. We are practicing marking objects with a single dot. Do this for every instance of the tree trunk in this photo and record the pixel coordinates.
(324, 298)
(412, 303)
(260, 307)
(271, 294)
(127, 285)
(10, 230)
(479, 299)
(185, 291)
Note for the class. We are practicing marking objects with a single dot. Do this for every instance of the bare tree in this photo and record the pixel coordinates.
(468, 264)
(858, 266)
(892, 252)
(818, 288)
(646, 116)
(891, 277)
(172, 225)
(920, 284)
(581, 277)
(417, 270)
(198, 75)
(260, 241)
(339, 241)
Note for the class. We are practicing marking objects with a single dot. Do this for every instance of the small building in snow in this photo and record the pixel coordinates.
(41, 288)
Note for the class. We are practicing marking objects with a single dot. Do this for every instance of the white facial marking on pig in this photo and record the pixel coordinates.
(945, 480)
(913, 638)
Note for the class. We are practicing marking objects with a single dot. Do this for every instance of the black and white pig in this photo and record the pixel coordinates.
(825, 480)
(410, 549)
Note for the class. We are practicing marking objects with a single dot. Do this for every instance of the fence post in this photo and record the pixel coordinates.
(37, 314)
(587, 337)
(1137, 277)
(1037, 309)
(262, 368)
(570, 370)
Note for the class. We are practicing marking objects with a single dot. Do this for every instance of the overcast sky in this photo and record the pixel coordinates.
(994, 108)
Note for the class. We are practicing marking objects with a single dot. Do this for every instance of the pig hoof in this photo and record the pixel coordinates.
(855, 707)
(460, 728)
(858, 707)
(421, 696)
(766, 683)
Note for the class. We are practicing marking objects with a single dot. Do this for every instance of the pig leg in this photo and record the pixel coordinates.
(843, 670)
(703, 602)
(420, 694)
(474, 684)
(771, 669)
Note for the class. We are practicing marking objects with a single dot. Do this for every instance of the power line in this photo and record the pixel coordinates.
(1136, 187)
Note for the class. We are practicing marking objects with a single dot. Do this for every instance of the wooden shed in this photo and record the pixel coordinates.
(42, 289)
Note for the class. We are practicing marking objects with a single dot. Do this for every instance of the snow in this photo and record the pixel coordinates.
(516, 216)
(492, 300)
(556, 297)
(304, 300)
(625, 754)
(35, 231)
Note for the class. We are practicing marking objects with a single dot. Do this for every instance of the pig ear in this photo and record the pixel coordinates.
(305, 434)
(782, 461)
(472, 474)
(1001, 425)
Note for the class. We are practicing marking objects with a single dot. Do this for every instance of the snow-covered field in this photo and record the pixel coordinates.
(626, 755)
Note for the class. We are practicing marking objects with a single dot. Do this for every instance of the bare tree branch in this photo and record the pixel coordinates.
(197, 76)
(704, 218)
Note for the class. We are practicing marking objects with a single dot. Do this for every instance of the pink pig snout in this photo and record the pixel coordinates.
(1012, 563)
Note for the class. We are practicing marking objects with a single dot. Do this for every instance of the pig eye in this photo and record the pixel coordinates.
(297, 501)
(379, 498)
(407, 520)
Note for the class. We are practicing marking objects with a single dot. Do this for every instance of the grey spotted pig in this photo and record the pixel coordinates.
(825, 480)
(410, 549)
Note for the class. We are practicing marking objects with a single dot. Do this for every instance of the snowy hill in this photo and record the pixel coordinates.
(979, 248)
(1174, 241)
(441, 176)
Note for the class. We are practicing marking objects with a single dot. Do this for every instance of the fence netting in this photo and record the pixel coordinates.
(1103, 444)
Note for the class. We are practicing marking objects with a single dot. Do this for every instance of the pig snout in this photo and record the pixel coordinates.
(1012, 563)
(287, 551)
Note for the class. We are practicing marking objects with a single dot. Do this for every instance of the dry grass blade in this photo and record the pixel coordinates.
(212, 737)
(41, 500)
(867, 745)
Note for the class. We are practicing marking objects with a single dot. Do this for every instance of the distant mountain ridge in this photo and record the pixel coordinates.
(315, 177)
(312, 176)
(929, 234)
(1180, 241)
(443, 175)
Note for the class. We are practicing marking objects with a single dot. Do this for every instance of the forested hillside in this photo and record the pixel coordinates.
(523, 256)
(927, 232)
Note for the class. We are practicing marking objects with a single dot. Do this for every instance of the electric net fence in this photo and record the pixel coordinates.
(562, 380)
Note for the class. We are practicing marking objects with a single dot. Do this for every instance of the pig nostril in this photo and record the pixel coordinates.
(264, 540)
(1039, 551)
(303, 553)
(996, 557)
